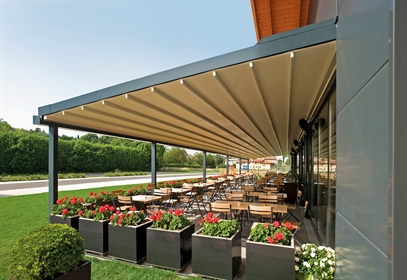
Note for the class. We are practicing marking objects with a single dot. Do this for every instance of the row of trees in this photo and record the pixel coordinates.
(26, 152)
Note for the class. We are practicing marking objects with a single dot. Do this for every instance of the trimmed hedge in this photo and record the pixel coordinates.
(24, 153)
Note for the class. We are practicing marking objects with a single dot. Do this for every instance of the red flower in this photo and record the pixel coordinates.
(170, 211)
(120, 221)
(270, 240)
(102, 209)
(118, 213)
(64, 211)
(111, 208)
(111, 217)
(131, 214)
(80, 213)
(288, 225)
(278, 236)
(92, 212)
(102, 192)
(133, 208)
(152, 217)
(276, 224)
(73, 201)
(122, 216)
(215, 220)
(128, 191)
(81, 200)
(59, 201)
(266, 225)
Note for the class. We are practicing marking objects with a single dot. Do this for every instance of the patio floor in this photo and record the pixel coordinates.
(306, 234)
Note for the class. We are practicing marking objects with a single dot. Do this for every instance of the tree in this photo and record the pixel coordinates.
(90, 137)
(4, 126)
(176, 156)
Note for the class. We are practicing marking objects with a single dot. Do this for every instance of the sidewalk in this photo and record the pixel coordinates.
(22, 187)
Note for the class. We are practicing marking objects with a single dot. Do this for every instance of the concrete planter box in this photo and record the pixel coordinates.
(95, 234)
(129, 242)
(216, 256)
(265, 261)
(72, 221)
(83, 272)
(169, 248)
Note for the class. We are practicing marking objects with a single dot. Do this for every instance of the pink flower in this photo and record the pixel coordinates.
(266, 225)
(278, 236)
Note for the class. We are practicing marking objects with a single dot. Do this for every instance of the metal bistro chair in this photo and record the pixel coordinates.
(297, 225)
(292, 208)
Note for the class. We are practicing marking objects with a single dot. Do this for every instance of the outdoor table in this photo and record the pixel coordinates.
(146, 199)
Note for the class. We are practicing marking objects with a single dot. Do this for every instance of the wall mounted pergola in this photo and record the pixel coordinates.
(244, 104)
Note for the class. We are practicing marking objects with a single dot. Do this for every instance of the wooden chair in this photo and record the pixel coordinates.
(268, 198)
(124, 203)
(270, 189)
(264, 213)
(222, 209)
(236, 196)
(117, 192)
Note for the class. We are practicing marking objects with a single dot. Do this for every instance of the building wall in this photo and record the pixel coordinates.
(363, 141)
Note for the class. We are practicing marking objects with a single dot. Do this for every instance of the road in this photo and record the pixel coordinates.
(31, 187)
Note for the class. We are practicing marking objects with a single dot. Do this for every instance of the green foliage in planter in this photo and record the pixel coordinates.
(213, 226)
(46, 251)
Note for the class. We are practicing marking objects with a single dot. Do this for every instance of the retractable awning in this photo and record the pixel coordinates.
(245, 104)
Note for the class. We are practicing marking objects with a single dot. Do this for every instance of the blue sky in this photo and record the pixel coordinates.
(56, 50)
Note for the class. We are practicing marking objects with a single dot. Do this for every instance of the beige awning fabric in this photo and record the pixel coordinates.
(247, 110)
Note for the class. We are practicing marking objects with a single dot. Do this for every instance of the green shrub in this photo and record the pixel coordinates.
(45, 252)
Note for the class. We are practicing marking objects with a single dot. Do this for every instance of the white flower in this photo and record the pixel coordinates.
(321, 264)
(296, 268)
(332, 269)
(321, 248)
(312, 255)
(330, 262)
(306, 264)
(315, 263)
(297, 259)
(312, 249)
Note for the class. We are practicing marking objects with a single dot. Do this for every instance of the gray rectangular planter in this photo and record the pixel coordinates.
(83, 272)
(216, 256)
(129, 242)
(266, 261)
(169, 248)
(72, 221)
(95, 234)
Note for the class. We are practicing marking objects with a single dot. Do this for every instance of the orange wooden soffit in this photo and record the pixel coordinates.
(275, 16)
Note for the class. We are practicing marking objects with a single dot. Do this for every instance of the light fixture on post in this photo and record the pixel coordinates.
(296, 143)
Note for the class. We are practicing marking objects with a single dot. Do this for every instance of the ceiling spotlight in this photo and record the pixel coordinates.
(304, 125)
(296, 143)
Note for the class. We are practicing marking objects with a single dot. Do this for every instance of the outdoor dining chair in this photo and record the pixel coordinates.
(263, 213)
(297, 225)
(222, 209)
(265, 198)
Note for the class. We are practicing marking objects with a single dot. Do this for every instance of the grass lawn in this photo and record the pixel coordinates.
(20, 214)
